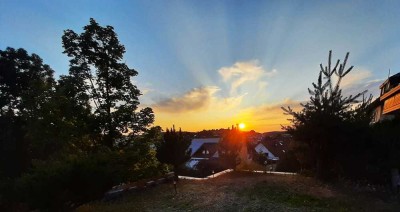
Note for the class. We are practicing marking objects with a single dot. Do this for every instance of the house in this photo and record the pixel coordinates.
(260, 148)
(274, 145)
(387, 106)
(197, 144)
(206, 151)
(202, 149)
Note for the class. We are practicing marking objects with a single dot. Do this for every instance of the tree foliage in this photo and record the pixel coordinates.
(229, 147)
(70, 140)
(80, 178)
(96, 65)
(174, 149)
(329, 123)
(26, 89)
(25, 83)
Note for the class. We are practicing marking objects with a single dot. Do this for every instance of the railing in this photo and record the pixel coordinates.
(205, 178)
(230, 170)
(270, 172)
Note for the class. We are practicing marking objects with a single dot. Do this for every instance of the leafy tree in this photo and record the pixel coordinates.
(26, 88)
(229, 147)
(55, 136)
(25, 83)
(96, 66)
(153, 136)
(73, 111)
(41, 116)
(174, 149)
(329, 123)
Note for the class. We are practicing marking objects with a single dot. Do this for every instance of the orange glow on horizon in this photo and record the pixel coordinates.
(220, 119)
(199, 122)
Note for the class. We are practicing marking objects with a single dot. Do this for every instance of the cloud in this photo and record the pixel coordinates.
(243, 72)
(195, 99)
(225, 104)
(358, 81)
(355, 77)
(198, 99)
(372, 87)
(202, 108)
(274, 111)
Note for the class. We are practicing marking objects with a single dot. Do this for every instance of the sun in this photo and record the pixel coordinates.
(242, 125)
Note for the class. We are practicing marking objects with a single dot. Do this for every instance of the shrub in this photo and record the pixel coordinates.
(288, 163)
(73, 180)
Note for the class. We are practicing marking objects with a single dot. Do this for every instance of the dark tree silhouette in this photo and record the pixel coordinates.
(26, 87)
(25, 83)
(55, 136)
(174, 149)
(327, 120)
(76, 124)
(96, 65)
(229, 147)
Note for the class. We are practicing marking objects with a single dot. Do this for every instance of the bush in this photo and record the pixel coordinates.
(260, 158)
(73, 180)
(288, 163)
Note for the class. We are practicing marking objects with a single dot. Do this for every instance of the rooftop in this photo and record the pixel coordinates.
(198, 142)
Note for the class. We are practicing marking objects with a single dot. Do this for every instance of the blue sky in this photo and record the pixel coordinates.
(214, 63)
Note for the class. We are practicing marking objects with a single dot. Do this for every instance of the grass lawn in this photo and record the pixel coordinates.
(243, 191)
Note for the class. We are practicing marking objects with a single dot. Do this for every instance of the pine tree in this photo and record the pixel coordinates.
(325, 122)
(174, 149)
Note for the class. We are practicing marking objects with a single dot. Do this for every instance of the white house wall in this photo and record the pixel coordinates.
(262, 149)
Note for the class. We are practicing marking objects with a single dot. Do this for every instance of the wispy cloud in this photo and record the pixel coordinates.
(272, 111)
(358, 81)
(243, 72)
(355, 77)
(198, 99)
(371, 86)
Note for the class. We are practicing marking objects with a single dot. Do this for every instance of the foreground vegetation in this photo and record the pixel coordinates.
(244, 191)
(333, 135)
(67, 141)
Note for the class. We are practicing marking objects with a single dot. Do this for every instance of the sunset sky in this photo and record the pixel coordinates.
(210, 64)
